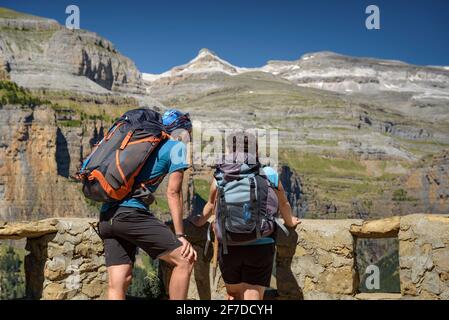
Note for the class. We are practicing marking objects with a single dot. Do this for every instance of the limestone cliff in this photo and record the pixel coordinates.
(41, 54)
(34, 155)
(428, 184)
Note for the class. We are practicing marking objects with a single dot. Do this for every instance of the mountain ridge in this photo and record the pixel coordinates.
(325, 70)
(42, 54)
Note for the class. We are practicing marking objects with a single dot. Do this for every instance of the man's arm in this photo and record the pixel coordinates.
(174, 198)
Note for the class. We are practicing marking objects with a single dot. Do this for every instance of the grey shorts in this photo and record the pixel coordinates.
(124, 229)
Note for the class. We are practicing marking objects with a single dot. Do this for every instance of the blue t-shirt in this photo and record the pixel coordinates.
(169, 156)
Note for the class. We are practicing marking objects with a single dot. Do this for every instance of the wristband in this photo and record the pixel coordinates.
(181, 235)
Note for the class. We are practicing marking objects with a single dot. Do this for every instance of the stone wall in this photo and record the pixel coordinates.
(65, 259)
(321, 264)
(316, 261)
(424, 256)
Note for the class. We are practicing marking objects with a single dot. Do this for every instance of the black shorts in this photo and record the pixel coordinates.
(250, 264)
(124, 229)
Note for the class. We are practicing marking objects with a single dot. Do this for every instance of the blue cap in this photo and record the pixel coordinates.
(174, 119)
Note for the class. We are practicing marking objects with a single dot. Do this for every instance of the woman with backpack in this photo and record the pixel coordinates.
(246, 199)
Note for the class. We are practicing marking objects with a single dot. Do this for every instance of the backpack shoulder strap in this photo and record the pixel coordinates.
(223, 212)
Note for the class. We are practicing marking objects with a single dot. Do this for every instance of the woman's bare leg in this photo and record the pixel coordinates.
(253, 292)
(234, 291)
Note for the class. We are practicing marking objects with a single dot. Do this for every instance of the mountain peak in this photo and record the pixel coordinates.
(320, 54)
(206, 62)
(206, 52)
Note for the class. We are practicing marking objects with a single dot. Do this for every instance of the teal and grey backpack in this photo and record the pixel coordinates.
(247, 204)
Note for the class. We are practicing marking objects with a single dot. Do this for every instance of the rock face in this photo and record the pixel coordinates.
(429, 184)
(41, 54)
(4, 75)
(331, 71)
(34, 166)
(294, 191)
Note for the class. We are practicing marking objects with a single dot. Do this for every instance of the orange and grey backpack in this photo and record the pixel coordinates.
(108, 173)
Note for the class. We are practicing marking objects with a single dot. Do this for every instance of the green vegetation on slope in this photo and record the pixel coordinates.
(160, 206)
(11, 93)
(340, 181)
(320, 142)
(78, 109)
(106, 108)
(70, 123)
(202, 188)
(74, 109)
(12, 274)
(401, 195)
(323, 165)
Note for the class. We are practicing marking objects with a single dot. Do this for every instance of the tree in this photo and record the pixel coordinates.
(12, 282)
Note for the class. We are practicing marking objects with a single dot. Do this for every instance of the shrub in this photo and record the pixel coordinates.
(70, 123)
(146, 283)
(11, 93)
(400, 195)
(12, 282)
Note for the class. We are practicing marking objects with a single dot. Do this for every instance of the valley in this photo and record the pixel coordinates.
(364, 137)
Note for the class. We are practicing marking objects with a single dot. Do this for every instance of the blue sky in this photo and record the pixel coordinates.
(158, 35)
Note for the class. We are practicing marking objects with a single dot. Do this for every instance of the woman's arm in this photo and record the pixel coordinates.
(285, 208)
(208, 209)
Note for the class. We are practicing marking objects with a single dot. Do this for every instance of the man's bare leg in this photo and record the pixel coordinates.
(180, 277)
(120, 277)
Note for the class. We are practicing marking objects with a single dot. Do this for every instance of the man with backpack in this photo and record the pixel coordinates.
(246, 199)
(124, 171)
